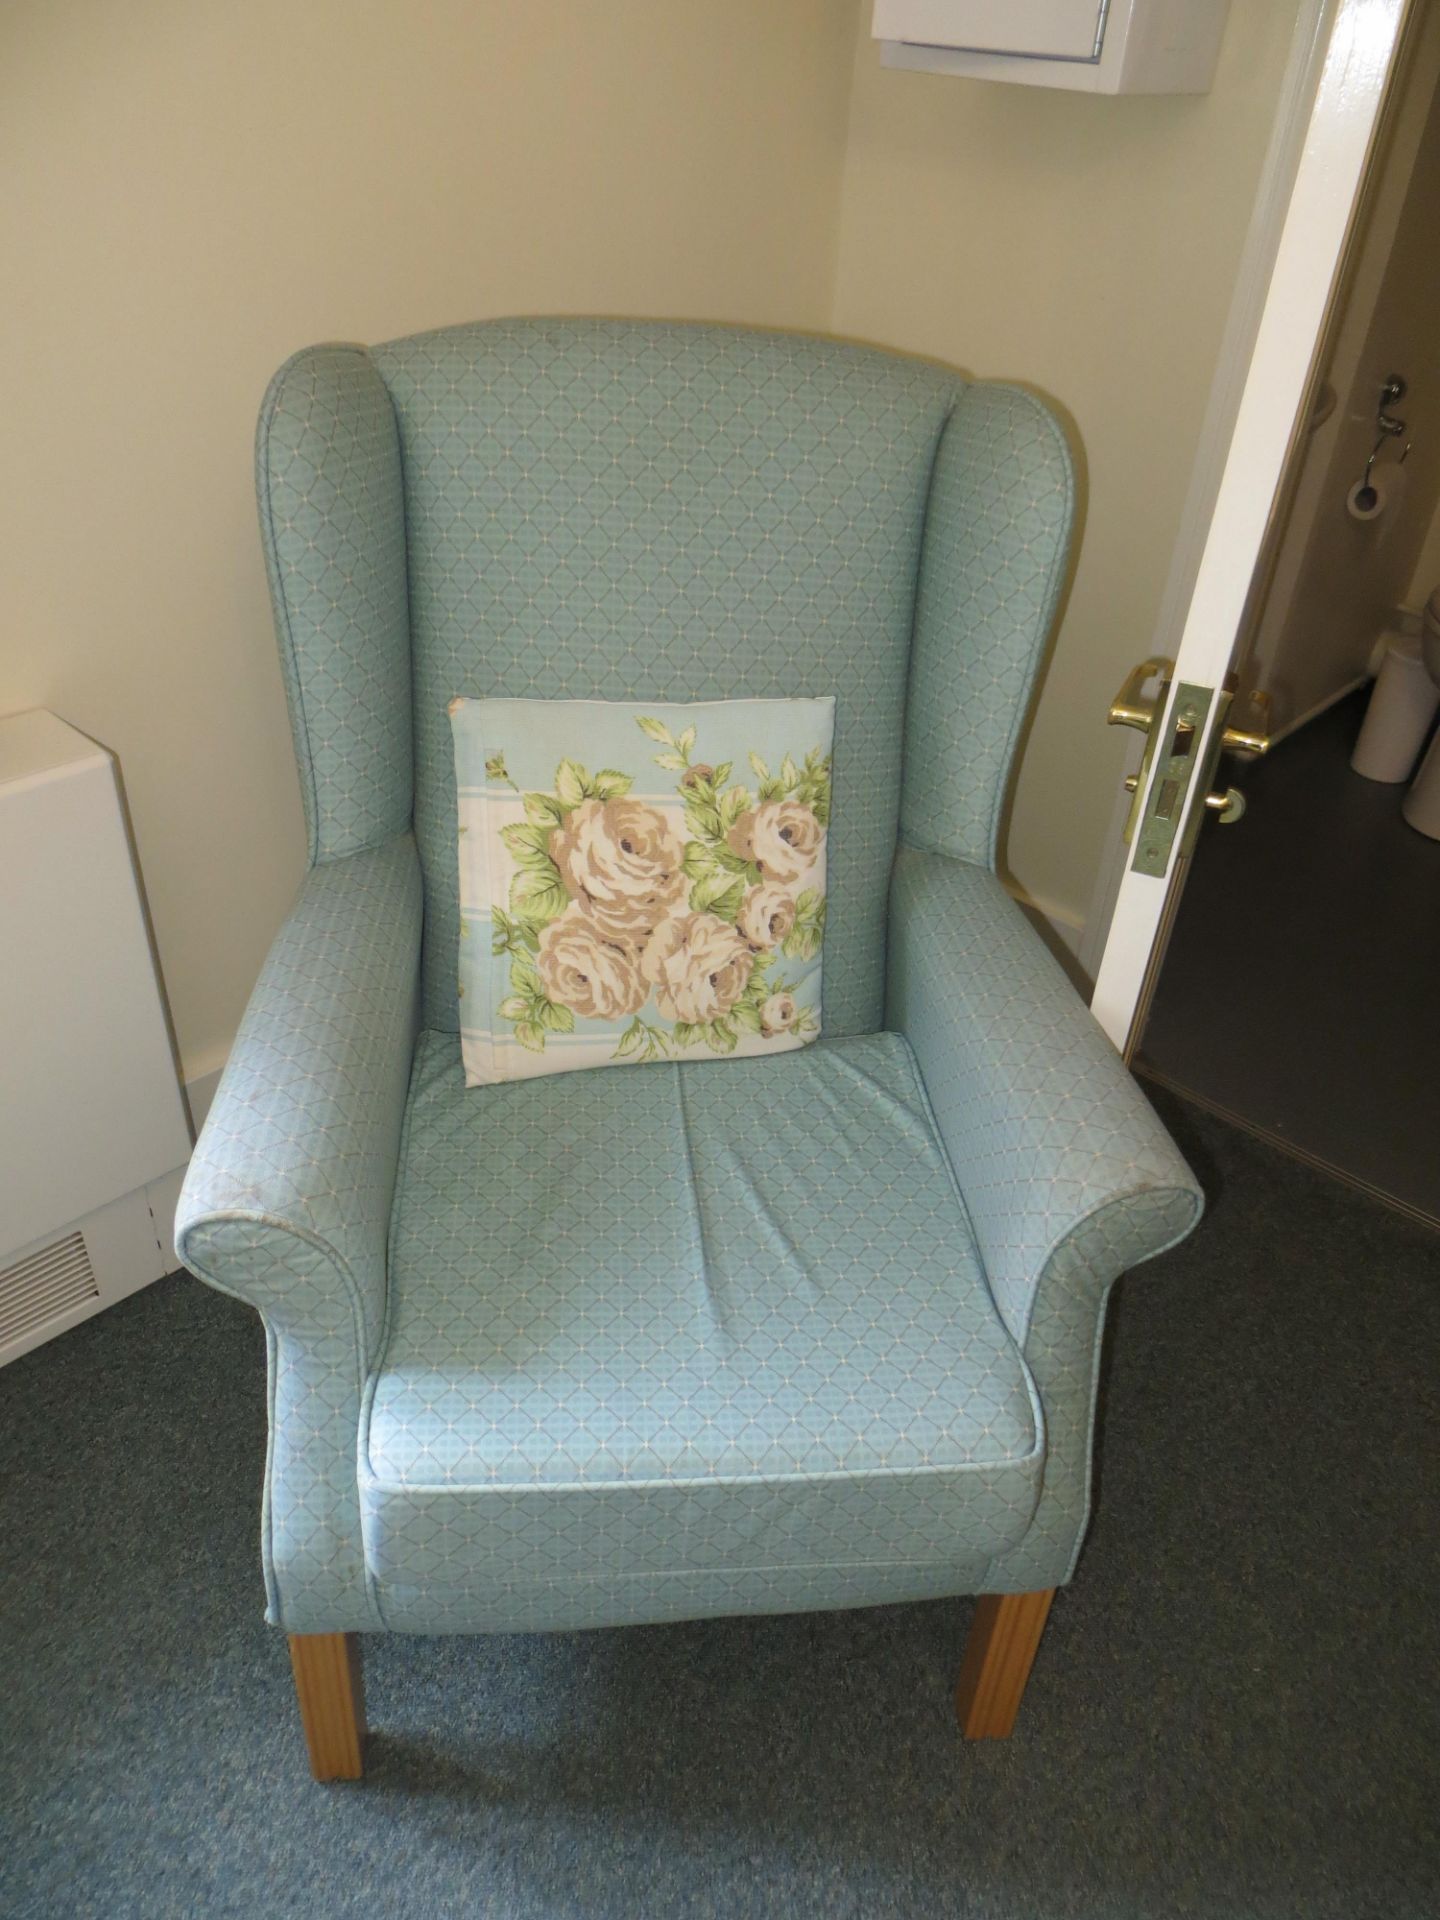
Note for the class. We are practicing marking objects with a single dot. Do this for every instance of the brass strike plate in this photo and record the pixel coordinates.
(1177, 764)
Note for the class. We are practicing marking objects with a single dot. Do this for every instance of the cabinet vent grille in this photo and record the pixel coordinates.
(44, 1285)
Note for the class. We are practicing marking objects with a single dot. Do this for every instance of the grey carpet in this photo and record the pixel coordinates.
(1233, 1713)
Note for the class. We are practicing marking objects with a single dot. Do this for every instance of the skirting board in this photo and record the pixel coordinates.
(199, 1093)
(1321, 706)
(1068, 928)
(1063, 933)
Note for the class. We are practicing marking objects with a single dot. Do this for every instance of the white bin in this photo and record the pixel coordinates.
(1422, 803)
(1398, 717)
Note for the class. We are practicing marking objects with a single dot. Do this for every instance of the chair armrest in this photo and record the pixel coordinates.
(1068, 1176)
(287, 1200)
(1065, 1168)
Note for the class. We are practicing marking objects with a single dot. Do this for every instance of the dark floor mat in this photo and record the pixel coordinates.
(1301, 989)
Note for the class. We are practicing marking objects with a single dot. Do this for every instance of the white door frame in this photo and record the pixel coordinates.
(1341, 62)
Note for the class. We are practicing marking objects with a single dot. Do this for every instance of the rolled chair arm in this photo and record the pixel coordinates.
(302, 1141)
(287, 1201)
(1069, 1177)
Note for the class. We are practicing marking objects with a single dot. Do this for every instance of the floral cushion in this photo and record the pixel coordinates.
(668, 905)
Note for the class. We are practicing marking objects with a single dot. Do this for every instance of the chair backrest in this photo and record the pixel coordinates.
(610, 510)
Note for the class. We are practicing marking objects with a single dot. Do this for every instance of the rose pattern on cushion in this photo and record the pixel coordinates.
(782, 837)
(698, 967)
(580, 969)
(615, 913)
(779, 1013)
(767, 916)
(621, 862)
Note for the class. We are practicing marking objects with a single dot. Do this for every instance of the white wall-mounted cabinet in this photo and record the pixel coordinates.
(1092, 46)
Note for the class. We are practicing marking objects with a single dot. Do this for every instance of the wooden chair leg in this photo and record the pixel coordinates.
(998, 1655)
(331, 1692)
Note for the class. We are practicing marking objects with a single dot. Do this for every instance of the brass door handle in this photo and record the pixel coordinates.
(1129, 708)
(1227, 806)
(1241, 739)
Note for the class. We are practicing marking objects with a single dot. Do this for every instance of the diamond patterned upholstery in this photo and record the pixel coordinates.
(332, 521)
(755, 1338)
(605, 510)
(751, 1334)
(1068, 1177)
(996, 549)
(286, 1201)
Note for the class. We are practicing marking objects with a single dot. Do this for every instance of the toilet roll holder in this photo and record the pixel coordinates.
(1390, 427)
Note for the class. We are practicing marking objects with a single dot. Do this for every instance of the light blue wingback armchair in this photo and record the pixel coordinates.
(668, 1341)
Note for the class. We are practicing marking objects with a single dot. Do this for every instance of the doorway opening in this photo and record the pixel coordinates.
(1300, 994)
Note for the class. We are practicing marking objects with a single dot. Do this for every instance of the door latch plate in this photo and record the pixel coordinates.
(1177, 763)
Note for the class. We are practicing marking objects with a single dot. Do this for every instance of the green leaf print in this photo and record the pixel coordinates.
(543, 809)
(610, 785)
(530, 847)
(572, 784)
(540, 897)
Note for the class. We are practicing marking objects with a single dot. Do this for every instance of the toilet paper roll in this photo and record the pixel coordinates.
(1377, 498)
(1388, 484)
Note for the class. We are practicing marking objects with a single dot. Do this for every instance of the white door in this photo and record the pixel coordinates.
(1344, 56)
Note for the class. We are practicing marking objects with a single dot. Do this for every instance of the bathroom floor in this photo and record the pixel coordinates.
(1300, 995)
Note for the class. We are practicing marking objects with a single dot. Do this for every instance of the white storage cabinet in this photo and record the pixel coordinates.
(94, 1136)
(1094, 46)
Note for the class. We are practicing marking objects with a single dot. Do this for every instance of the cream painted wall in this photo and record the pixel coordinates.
(1087, 246)
(194, 188)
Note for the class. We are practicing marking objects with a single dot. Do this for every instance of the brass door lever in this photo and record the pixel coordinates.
(1129, 708)
(1241, 739)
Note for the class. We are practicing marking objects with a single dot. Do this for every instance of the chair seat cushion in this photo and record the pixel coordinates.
(698, 1339)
